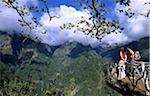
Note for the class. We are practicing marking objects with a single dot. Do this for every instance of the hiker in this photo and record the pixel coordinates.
(137, 55)
(121, 65)
(123, 55)
(131, 56)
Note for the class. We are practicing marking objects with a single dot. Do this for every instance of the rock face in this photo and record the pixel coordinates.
(5, 44)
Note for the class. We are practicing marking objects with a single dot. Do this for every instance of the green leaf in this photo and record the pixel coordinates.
(91, 7)
(102, 5)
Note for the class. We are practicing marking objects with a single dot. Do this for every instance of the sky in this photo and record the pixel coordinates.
(135, 28)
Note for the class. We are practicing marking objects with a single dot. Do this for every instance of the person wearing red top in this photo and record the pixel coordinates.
(121, 64)
(123, 55)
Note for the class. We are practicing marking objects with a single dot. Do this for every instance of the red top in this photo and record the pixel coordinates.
(123, 55)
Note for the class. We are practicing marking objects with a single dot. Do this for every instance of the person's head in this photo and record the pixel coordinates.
(137, 52)
(137, 55)
(121, 49)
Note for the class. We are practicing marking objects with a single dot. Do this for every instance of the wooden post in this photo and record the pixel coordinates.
(147, 79)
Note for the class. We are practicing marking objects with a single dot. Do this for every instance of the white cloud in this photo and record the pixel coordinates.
(135, 27)
(28, 2)
(7, 23)
(115, 38)
(56, 36)
(9, 18)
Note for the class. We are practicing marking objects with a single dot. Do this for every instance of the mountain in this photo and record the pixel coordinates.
(28, 67)
(32, 68)
(141, 45)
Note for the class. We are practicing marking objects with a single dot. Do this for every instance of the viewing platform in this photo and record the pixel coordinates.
(136, 80)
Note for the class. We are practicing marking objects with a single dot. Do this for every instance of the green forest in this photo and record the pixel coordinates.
(67, 70)
(74, 47)
(56, 75)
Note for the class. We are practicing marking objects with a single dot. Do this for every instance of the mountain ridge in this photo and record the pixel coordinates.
(56, 69)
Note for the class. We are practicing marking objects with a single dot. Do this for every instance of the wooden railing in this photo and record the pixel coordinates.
(140, 70)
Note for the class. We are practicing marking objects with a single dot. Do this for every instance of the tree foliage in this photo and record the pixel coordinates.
(24, 11)
(73, 77)
(97, 26)
(101, 25)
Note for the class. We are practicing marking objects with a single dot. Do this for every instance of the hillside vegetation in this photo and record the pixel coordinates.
(30, 68)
